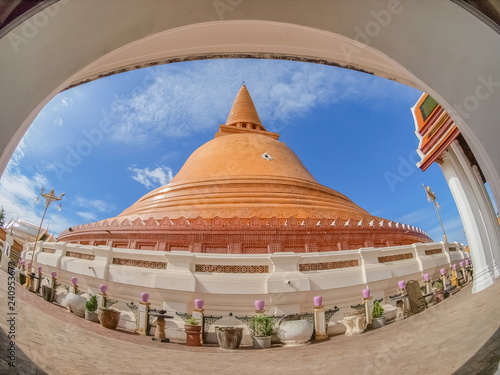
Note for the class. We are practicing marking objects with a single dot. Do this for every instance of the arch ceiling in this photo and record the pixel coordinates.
(436, 46)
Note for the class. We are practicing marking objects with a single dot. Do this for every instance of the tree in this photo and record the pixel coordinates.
(2, 216)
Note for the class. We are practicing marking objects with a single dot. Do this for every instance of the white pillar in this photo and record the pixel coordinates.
(476, 212)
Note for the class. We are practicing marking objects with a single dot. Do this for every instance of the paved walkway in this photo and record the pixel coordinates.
(458, 336)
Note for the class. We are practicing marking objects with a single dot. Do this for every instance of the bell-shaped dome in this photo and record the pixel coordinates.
(245, 172)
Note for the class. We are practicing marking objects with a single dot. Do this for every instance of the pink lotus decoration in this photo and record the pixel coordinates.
(366, 293)
(198, 303)
(144, 296)
(462, 264)
(74, 281)
(40, 269)
(442, 271)
(103, 289)
(401, 284)
(427, 277)
(29, 265)
(454, 267)
(317, 300)
(54, 274)
(259, 304)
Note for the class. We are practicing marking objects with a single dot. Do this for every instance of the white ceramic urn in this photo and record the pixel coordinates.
(294, 331)
(75, 304)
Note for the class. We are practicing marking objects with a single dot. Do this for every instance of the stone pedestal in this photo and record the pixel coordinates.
(198, 315)
(143, 318)
(319, 323)
(354, 324)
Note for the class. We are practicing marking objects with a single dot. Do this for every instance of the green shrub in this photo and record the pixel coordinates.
(192, 322)
(91, 304)
(378, 310)
(261, 325)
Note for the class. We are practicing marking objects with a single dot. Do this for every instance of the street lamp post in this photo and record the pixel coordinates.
(431, 197)
(49, 198)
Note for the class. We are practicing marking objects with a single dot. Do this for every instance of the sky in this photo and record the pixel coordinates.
(108, 142)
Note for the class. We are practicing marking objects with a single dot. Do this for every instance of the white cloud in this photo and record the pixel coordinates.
(175, 102)
(152, 178)
(88, 216)
(453, 228)
(58, 121)
(95, 205)
(17, 195)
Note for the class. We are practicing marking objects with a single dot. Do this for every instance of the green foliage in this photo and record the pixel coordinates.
(438, 284)
(378, 310)
(2, 216)
(91, 304)
(192, 322)
(261, 325)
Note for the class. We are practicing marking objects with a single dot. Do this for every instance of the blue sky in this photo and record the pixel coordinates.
(108, 142)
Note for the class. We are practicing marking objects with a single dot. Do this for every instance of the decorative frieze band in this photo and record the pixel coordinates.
(74, 254)
(50, 251)
(395, 258)
(433, 251)
(140, 263)
(214, 268)
(328, 265)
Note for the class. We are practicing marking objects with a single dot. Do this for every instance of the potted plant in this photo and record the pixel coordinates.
(193, 332)
(261, 328)
(49, 292)
(378, 315)
(438, 290)
(108, 316)
(91, 309)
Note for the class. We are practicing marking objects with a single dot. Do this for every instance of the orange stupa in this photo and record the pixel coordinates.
(244, 192)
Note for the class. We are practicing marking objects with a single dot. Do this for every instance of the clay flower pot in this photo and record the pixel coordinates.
(229, 337)
(193, 334)
(109, 318)
(48, 293)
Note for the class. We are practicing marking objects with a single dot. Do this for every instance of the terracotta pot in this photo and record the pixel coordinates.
(229, 337)
(193, 335)
(439, 294)
(109, 318)
(92, 316)
(48, 293)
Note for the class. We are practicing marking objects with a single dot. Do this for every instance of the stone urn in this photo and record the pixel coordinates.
(229, 337)
(48, 293)
(263, 342)
(109, 318)
(294, 331)
(92, 316)
(378, 322)
(75, 304)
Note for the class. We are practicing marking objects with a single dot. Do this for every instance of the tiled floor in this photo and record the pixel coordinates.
(458, 336)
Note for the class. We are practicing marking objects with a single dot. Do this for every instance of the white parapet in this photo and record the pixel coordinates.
(287, 281)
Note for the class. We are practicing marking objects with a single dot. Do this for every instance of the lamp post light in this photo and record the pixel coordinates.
(49, 198)
(431, 197)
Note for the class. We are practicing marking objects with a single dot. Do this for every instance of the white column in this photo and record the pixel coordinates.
(472, 205)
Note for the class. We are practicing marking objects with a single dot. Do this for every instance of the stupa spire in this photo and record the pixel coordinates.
(243, 113)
